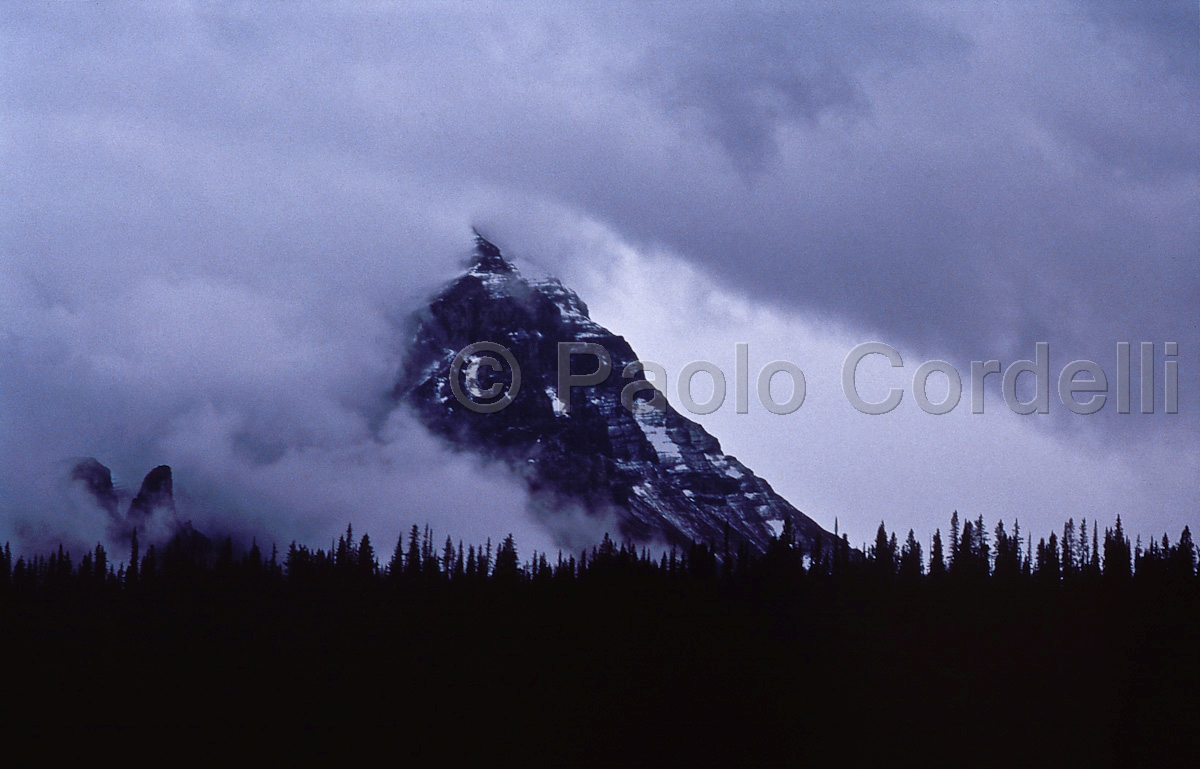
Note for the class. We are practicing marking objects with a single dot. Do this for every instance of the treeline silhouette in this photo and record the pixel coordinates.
(1080, 649)
(971, 555)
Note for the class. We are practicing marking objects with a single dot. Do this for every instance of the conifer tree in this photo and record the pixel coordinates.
(1082, 548)
(366, 557)
(841, 555)
(880, 554)
(429, 561)
(100, 564)
(412, 562)
(1008, 558)
(954, 542)
(291, 565)
(507, 569)
(1183, 556)
(132, 574)
(964, 562)
(448, 558)
(937, 562)
(1051, 565)
(912, 565)
(343, 555)
(253, 563)
(5, 566)
(983, 553)
(1021, 556)
(1068, 549)
(1117, 564)
(396, 564)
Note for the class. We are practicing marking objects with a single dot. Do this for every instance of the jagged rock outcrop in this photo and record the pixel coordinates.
(157, 493)
(662, 475)
(152, 512)
(97, 479)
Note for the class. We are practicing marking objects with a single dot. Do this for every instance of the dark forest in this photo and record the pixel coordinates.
(1081, 649)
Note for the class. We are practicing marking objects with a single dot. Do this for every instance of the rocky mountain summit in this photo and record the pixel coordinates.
(661, 476)
(157, 493)
(151, 511)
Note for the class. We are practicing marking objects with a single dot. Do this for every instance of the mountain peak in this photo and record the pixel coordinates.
(659, 474)
(488, 257)
(97, 479)
(151, 512)
(156, 492)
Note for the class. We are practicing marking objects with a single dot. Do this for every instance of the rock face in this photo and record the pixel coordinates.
(152, 511)
(156, 494)
(97, 479)
(662, 475)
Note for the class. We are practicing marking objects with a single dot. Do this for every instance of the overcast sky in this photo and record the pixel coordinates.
(215, 218)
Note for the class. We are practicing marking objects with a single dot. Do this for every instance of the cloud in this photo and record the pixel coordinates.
(270, 402)
(215, 218)
(907, 468)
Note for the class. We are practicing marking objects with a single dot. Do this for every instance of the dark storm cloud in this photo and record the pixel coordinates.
(743, 74)
(214, 217)
(1039, 177)
(1170, 25)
